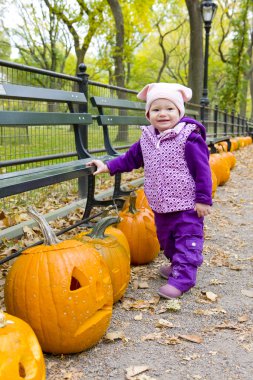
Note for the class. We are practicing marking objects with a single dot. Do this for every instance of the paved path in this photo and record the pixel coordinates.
(221, 327)
(211, 336)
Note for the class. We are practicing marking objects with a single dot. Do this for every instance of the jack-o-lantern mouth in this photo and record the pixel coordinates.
(103, 313)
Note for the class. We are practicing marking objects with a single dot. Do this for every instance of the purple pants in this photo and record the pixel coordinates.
(181, 237)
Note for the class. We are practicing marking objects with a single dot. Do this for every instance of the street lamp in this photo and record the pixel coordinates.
(208, 9)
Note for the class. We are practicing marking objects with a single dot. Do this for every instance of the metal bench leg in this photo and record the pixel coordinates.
(92, 201)
(117, 189)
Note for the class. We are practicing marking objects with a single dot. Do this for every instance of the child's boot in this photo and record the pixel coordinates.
(165, 271)
(169, 292)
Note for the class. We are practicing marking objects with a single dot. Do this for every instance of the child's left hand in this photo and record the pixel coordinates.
(202, 209)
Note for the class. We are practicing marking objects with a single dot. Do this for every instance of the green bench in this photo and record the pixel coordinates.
(211, 141)
(29, 179)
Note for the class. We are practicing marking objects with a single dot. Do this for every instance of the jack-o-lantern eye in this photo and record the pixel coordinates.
(21, 370)
(78, 280)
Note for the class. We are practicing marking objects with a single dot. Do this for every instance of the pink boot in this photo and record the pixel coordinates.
(165, 271)
(169, 292)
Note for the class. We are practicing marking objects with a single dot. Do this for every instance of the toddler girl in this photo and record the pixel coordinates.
(177, 180)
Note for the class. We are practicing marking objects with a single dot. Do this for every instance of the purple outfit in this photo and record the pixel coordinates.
(177, 175)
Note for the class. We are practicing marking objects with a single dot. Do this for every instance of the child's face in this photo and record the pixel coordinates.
(163, 114)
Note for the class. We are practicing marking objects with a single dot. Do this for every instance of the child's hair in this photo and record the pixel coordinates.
(176, 93)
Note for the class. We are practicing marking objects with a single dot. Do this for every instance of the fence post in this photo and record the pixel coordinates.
(225, 119)
(232, 121)
(238, 124)
(215, 120)
(243, 124)
(83, 133)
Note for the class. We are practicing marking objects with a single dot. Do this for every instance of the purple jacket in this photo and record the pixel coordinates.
(196, 156)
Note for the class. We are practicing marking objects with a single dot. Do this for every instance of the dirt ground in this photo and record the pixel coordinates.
(208, 334)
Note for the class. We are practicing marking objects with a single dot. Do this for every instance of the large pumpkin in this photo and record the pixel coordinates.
(139, 228)
(63, 290)
(113, 246)
(20, 353)
(220, 167)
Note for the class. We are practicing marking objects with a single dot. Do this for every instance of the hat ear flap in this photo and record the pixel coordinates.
(143, 93)
(186, 93)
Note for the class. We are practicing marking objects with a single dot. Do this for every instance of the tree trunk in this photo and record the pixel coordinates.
(118, 56)
(195, 76)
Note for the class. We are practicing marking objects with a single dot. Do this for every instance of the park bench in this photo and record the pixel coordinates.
(212, 141)
(29, 179)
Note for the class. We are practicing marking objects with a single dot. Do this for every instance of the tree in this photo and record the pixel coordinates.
(81, 21)
(195, 74)
(39, 38)
(237, 60)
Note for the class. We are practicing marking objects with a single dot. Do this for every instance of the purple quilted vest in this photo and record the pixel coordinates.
(168, 183)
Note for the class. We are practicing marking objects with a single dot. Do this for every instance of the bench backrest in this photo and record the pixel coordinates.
(128, 113)
(135, 116)
(17, 114)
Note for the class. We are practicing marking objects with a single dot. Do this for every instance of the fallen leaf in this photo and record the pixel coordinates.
(138, 317)
(143, 285)
(152, 336)
(115, 335)
(172, 340)
(171, 305)
(210, 296)
(243, 318)
(164, 323)
(135, 370)
(192, 338)
(247, 292)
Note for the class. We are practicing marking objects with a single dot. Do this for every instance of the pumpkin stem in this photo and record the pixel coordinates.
(48, 234)
(99, 229)
(132, 203)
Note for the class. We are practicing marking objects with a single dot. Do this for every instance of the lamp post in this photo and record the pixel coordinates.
(208, 9)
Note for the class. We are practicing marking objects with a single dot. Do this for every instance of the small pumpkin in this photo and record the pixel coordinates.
(63, 290)
(139, 228)
(141, 200)
(20, 353)
(113, 246)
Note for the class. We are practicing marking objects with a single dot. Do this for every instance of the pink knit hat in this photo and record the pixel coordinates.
(176, 93)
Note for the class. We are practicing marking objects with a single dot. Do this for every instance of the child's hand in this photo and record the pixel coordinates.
(202, 209)
(101, 167)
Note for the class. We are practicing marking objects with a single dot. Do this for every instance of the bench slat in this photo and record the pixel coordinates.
(12, 91)
(43, 118)
(45, 176)
(98, 101)
(122, 120)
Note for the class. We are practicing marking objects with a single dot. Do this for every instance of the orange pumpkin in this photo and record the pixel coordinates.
(138, 226)
(230, 157)
(141, 200)
(114, 248)
(63, 290)
(214, 183)
(220, 167)
(20, 353)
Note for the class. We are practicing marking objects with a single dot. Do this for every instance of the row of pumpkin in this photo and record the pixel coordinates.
(223, 161)
(63, 291)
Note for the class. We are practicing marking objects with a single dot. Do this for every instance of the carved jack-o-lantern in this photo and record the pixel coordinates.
(20, 353)
(63, 290)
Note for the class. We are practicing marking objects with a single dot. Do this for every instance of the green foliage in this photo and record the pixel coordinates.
(5, 46)
(237, 62)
